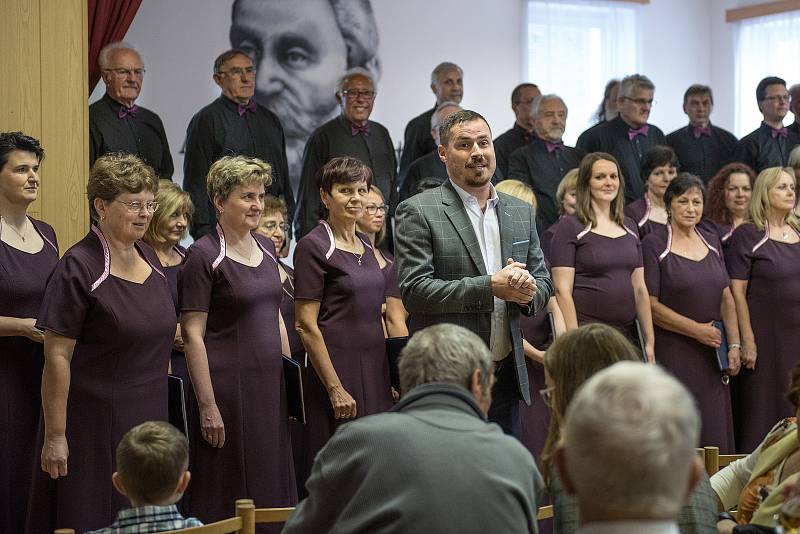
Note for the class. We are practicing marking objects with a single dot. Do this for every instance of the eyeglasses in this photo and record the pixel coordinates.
(138, 73)
(238, 71)
(526, 102)
(137, 207)
(372, 209)
(353, 94)
(779, 98)
(270, 226)
(641, 101)
(547, 396)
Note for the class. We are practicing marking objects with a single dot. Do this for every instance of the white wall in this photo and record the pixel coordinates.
(682, 42)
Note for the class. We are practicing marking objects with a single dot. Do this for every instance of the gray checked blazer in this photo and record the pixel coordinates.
(441, 271)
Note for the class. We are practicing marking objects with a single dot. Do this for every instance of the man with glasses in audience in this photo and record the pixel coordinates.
(522, 133)
(349, 134)
(771, 143)
(116, 123)
(629, 136)
(232, 125)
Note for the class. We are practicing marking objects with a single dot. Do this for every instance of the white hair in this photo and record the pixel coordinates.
(356, 71)
(107, 52)
(539, 100)
(632, 82)
(440, 107)
(443, 68)
(629, 440)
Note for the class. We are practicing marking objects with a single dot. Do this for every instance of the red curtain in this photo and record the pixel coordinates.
(109, 21)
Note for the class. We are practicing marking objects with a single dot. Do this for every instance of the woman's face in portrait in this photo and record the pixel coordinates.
(782, 195)
(738, 193)
(604, 183)
(174, 226)
(569, 202)
(659, 179)
(346, 201)
(300, 54)
(242, 209)
(371, 223)
(128, 215)
(687, 209)
(273, 226)
(19, 177)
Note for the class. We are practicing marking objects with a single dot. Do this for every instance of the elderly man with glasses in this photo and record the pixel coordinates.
(770, 144)
(233, 125)
(629, 136)
(349, 134)
(116, 123)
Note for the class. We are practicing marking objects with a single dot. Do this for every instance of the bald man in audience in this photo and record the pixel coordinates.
(629, 453)
(544, 161)
(116, 123)
(794, 92)
(702, 148)
(628, 136)
(432, 464)
(522, 133)
(447, 84)
(771, 143)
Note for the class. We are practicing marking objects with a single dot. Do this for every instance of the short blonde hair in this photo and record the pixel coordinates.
(569, 181)
(759, 203)
(116, 174)
(518, 189)
(171, 199)
(274, 204)
(230, 172)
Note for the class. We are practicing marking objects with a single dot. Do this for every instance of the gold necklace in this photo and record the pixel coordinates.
(249, 255)
(21, 235)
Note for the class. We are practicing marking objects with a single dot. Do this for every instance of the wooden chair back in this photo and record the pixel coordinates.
(716, 461)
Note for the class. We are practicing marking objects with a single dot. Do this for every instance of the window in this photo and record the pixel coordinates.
(766, 46)
(574, 47)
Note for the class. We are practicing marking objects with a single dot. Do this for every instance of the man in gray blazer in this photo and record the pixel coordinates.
(468, 255)
(432, 463)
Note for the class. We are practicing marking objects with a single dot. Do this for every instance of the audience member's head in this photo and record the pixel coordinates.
(442, 111)
(635, 99)
(549, 114)
(170, 222)
(122, 70)
(522, 98)
(729, 193)
(152, 463)
(472, 167)
(628, 449)
(698, 101)
(658, 168)
(608, 108)
(428, 183)
(450, 354)
(230, 172)
(565, 194)
(774, 194)
(121, 177)
(356, 93)
(519, 190)
(599, 181)
(773, 99)
(274, 223)
(297, 77)
(447, 82)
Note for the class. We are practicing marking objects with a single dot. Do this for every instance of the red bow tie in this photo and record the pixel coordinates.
(554, 146)
(244, 108)
(123, 111)
(363, 130)
(700, 132)
(783, 132)
(638, 131)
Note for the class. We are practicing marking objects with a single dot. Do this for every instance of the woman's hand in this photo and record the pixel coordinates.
(650, 354)
(749, 355)
(177, 343)
(708, 334)
(27, 328)
(54, 456)
(344, 405)
(734, 360)
(212, 428)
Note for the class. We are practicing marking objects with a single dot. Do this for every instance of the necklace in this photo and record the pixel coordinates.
(358, 256)
(24, 233)
(249, 255)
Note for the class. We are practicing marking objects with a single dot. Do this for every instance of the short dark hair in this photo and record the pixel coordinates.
(228, 55)
(344, 170)
(459, 117)
(428, 183)
(681, 184)
(518, 89)
(761, 88)
(658, 156)
(698, 89)
(11, 141)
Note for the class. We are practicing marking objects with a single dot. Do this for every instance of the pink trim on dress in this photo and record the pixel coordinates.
(703, 239)
(763, 239)
(330, 236)
(106, 259)
(669, 244)
(727, 236)
(265, 251)
(179, 251)
(584, 231)
(221, 255)
(647, 209)
(153, 266)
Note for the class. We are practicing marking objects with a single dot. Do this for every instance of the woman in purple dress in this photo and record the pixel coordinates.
(729, 193)
(109, 324)
(596, 257)
(169, 226)
(659, 167)
(565, 196)
(688, 285)
(763, 259)
(233, 334)
(28, 254)
(339, 294)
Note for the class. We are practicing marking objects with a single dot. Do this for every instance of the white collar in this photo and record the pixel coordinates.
(469, 197)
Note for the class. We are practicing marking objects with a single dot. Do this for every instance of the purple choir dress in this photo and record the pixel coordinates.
(243, 345)
(177, 358)
(287, 312)
(534, 420)
(694, 290)
(351, 291)
(772, 269)
(602, 291)
(724, 231)
(546, 238)
(390, 275)
(123, 331)
(639, 211)
(23, 277)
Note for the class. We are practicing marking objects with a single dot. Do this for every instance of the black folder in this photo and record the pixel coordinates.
(293, 379)
(176, 395)
(394, 345)
(640, 337)
(722, 352)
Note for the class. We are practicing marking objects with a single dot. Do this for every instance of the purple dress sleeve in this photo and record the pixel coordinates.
(66, 299)
(310, 267)
(390, 275)
(196, 279)
(562, 247)
(739, 252)
(652, 247)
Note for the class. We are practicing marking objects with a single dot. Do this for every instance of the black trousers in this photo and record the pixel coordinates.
(504, 409)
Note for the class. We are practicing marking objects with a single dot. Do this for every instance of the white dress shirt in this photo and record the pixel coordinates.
(629, 527)
(487, 229)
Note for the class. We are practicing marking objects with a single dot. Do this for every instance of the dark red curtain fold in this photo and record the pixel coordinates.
(109, 21)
